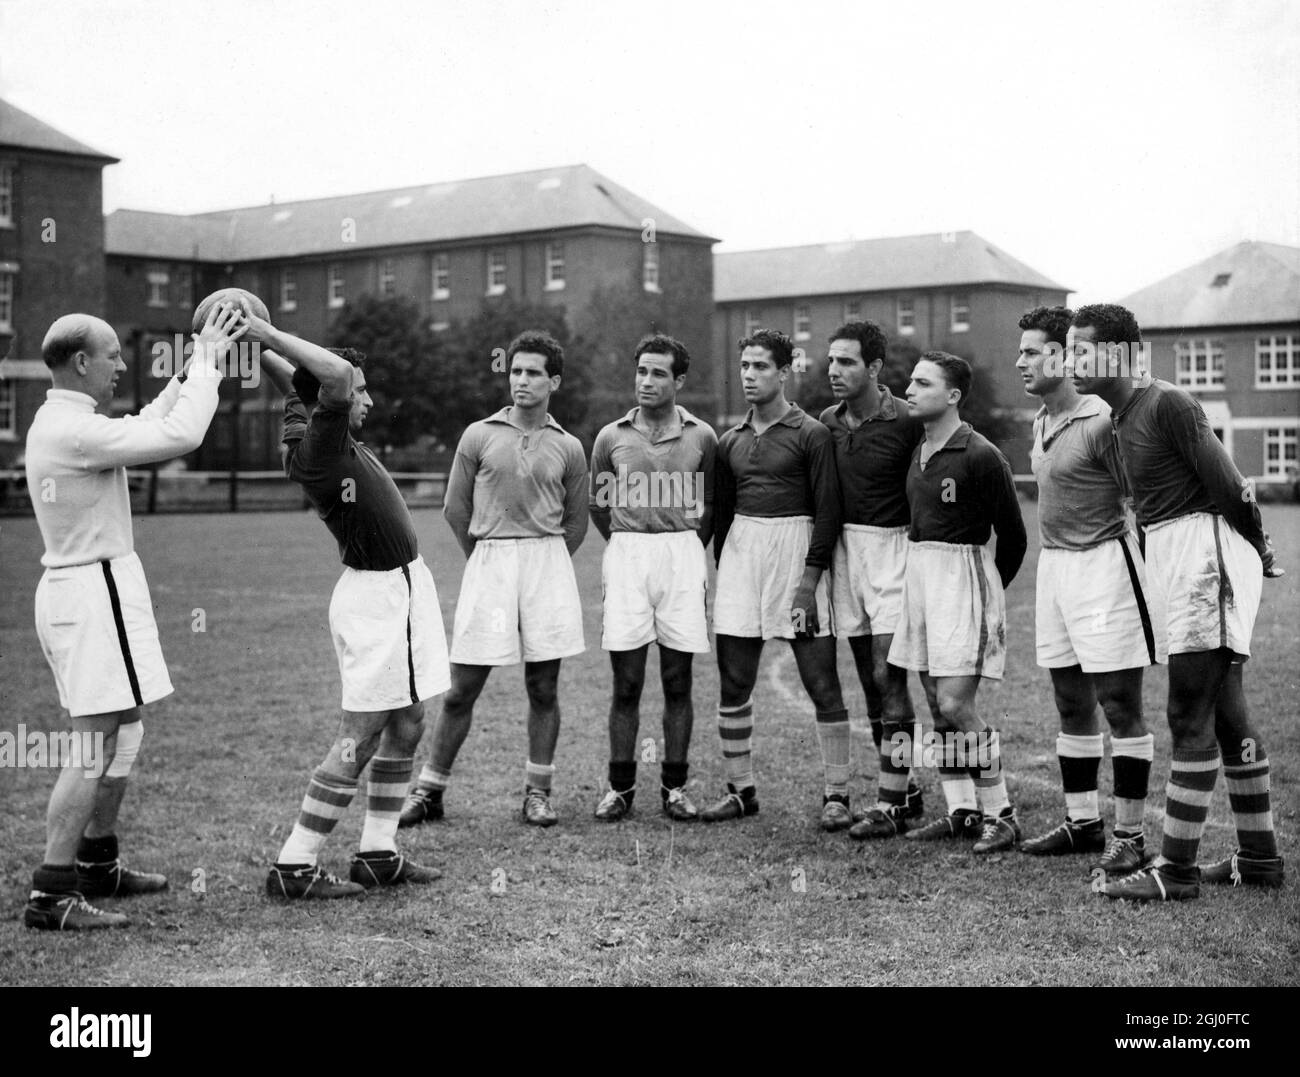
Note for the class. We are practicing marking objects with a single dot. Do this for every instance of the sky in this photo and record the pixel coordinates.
(1105, 144)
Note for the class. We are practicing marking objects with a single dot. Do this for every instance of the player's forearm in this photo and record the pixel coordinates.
(706, 526)
(278, 369)
(133, 440)
(1232, 495)
(602, 517)
(332, 371)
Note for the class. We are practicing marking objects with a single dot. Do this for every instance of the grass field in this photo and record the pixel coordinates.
(226, 759)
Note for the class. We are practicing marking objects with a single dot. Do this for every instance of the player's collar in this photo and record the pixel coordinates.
(886, 410)
(503, 416)
(1085, 408)
(84, 401)
(683, 416)
(793, 417)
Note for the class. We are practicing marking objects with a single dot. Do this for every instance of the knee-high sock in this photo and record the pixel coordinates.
(328, 797)
(385, 790)
(1080, 759)
(986, 771)
(736, 730)
(1192, 774)
(432, 778)
(1249, 796)
(891, 786)
(1131, 759)
(833, 736)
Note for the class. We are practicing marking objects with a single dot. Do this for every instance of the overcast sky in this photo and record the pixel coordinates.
(1105, 144)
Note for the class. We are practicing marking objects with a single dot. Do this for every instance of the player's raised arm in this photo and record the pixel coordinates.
(278, 369)
(332, 371)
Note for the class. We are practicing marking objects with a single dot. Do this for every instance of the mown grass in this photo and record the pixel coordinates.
(226, 759)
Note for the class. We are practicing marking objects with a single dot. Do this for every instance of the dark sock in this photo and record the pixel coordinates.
(97, 850)
(55, 878)
(674, 776)
(622, 776)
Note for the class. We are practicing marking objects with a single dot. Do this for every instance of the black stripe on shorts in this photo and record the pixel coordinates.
(122, 640)
(410, 655)
(1143, 612)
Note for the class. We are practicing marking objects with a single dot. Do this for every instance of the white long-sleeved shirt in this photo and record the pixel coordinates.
(77, 461)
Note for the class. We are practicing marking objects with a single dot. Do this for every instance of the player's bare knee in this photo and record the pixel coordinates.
(541, 690)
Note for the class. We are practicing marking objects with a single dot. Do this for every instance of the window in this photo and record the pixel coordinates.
(650, 266)
(960, 313)
(853, 310)
(554, 266)
(334, 287)
(1281, 450)
(496, 275)
(157, 280)
(439, 327)
(803, 322)
(1198, 364)
(6, 301)
(9, 411)
(441, 277)
(6, 196)
(387, 279)
(288, 289)
(1221, 280)
(753, 321)
(183, 287)
(1277, 361)
(906, 317)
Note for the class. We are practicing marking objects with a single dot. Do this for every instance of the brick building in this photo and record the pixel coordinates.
(953, 291)
(51, 256)
(550, 236)
(1228, 330)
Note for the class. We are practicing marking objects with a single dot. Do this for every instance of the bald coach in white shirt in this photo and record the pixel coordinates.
(94, 615)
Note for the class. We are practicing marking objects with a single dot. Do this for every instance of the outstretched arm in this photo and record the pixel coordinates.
(332, 371)
(278, 369)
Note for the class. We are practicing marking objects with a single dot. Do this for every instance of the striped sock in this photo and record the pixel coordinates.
(736, 730)
(385, 791)
(1131, 759)
(538, 775)
(958, 789)
(328, 797)
(990, 784)
(1192, 774)
(1080, 759)
(891, 786)
(1248, 794)
(432, 778)
(833, 736)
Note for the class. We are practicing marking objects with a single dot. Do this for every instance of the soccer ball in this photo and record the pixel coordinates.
(227, 295)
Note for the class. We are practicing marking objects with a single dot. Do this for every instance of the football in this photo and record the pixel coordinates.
(232, 295)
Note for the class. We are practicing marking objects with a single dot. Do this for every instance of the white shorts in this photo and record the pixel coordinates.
(654, 586)
(867, 579)
(954, 618)
(761, 567)
(1208, 578)
(388, 635)
(1094, 609)
(96, 627)
(518, 600)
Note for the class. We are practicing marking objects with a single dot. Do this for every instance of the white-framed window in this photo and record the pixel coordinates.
(1277, 361)
(496, 272)
(334, 297)
(6, 301)
(554, 266)
(906, 317)
(650, 266)
(960, 313)
(288, 289)
(183, 287)
(853, 310)
(157, 278)
(803, 322)
(6, 196)
(441, 276)
(8, 410)
(1198, 364)
(439, 327)
(387, 278)
(1281, 450)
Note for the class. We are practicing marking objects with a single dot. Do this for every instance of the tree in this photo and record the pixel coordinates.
(400, 375)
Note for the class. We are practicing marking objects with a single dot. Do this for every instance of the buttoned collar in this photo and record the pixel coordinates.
(1086, 407)
(503, 416)
(1139, 391)
(683, 416)
(81, 401)
(794, 417)
(886, 410)
(957, 443)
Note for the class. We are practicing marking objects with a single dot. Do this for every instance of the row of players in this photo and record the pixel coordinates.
(898, 503)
